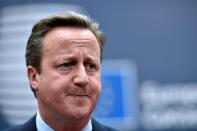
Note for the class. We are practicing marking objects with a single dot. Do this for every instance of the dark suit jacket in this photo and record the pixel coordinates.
(31, 126)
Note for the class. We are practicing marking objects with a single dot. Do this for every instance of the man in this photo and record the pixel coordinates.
(63, 58)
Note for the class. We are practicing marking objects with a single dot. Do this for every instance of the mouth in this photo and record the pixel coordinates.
(79, 95)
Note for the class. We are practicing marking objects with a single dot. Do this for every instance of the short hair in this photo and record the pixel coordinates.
(41, 28)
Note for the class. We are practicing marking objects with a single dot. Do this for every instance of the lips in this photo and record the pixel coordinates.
(78, 92)
(78, 95)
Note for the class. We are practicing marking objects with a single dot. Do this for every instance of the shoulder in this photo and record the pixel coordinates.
(15, 128)
(100, 127)
(28, 126)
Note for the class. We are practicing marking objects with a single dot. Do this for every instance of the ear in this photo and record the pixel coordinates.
(33, 77)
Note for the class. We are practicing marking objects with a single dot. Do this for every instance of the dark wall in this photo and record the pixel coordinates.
(159, 36)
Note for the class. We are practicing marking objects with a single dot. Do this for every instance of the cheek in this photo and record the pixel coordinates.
(99, 87)
(52, 91)
(51, 84)
(96, 87)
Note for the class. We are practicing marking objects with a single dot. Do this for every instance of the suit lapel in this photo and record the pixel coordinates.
(96, 126)
(30, 125)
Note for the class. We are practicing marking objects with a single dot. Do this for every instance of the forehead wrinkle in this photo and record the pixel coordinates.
(81, 52)
(83, 42)
(75, 55)
(82, 46)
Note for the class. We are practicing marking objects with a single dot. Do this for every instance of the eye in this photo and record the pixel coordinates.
(90, 67)
(66, 66)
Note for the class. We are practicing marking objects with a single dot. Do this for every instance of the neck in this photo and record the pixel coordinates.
(64, 124)
(77, 125)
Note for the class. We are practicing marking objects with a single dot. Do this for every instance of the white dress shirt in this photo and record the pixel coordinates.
(42, 126)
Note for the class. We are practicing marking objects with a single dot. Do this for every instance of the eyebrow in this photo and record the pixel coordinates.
(70, 57)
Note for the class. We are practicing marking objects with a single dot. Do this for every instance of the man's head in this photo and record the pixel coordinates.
(63, 65)
(67, 19)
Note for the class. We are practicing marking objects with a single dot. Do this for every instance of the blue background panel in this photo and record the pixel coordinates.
(111, 103)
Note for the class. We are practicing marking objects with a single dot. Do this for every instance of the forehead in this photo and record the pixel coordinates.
(64, 37)
(69, 33)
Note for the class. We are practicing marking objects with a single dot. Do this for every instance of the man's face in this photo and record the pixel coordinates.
(69, 84)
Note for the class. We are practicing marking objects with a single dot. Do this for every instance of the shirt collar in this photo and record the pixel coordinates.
(88, 127)
(42, 126)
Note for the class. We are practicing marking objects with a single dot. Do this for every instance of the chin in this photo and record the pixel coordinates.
(82, 113)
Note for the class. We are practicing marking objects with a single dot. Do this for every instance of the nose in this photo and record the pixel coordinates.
(81, 76)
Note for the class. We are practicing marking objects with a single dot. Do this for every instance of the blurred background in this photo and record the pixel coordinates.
(149, 67)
